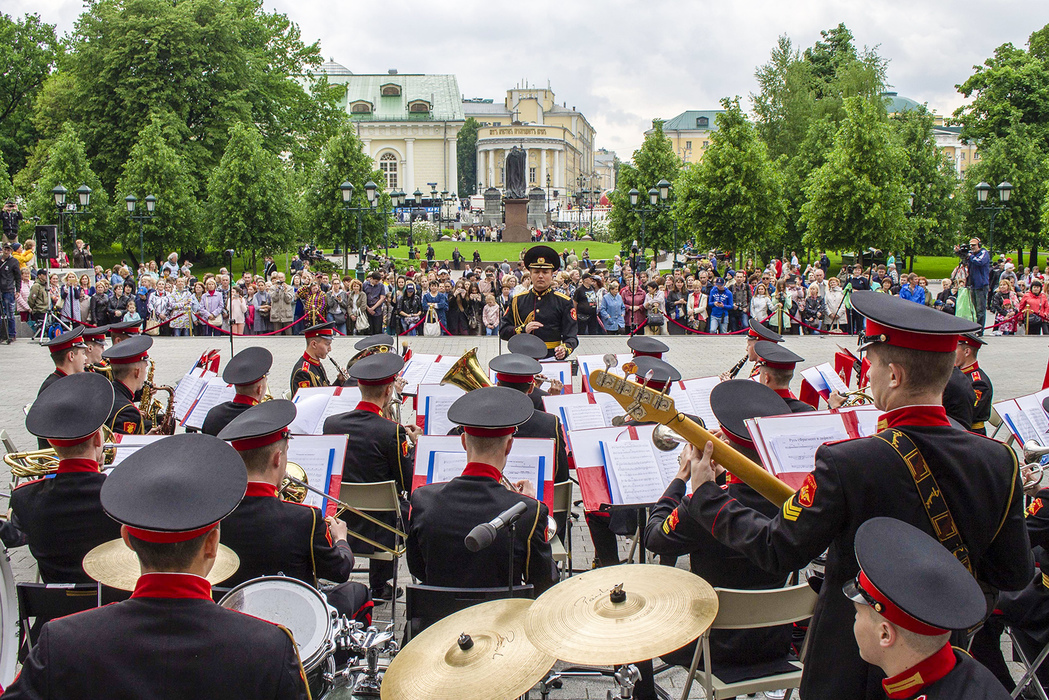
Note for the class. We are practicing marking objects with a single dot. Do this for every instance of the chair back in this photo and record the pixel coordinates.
(9, 445)
(750, 609)
(425, 605)
(376, 496)
(41, 602)
(563, 497)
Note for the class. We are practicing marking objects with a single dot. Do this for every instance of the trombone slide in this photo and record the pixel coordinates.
(346, 506)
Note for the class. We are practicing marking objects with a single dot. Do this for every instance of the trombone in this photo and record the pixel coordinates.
(396, 551)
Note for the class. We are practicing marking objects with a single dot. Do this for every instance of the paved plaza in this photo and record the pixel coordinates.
(1016, 366)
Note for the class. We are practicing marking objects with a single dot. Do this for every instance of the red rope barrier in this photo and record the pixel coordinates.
(693, 330)
(248, 335)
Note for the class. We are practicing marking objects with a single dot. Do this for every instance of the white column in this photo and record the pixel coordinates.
(480, 168)
(409, 166)
(367, 147)
(557, 170)
(542, 169)
(490, 182)
(453, 166)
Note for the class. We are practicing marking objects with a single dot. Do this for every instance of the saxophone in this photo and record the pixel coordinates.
(152, 408)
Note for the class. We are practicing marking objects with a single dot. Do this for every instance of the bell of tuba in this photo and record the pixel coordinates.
(466, 373)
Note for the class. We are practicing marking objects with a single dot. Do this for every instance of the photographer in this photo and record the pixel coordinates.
(978, 262)
(10, 219)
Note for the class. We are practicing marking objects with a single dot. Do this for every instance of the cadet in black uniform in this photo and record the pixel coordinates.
(95, 341)
(310, 371)
(442, 515)
(965, 360)
(274, 536)
(170, 640)
(124, 330)
(62, 516)
(247, 372)
(129, 360)
(959, 397)
(542, 311)
(672, 531)
(69, 353)
(534, 347)
(378, 450)
(972, 482)
(776, 364)
(909, 595)
(755, 332)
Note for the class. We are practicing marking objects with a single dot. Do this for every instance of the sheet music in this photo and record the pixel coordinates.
(682, 401)
(1031, 407)
(1023, 428)
(866, 419)
(698, 391)
(561, 371)
(215, 392)
(188, 390)
(588, 363)
(816, 379)
(321, 457)
(610, 408)
(582, 417)
(436, 371)
(790, 441)
(796, 453)
(339, 402)
(668, 466)
(632, 475)
(834, 382)
(315, 404)
(447, 466)
(128, 445)
(434, 402)
(526, 467)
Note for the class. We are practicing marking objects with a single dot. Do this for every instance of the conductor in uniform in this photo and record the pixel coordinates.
(442, 515)
(918, 469)
(129, 360)
(776, 365)
(378, 449)
(541, 311)
(274, 536)
(309, 371)
(170, 640)
(247, 372)
(62, 517)
(965, 360)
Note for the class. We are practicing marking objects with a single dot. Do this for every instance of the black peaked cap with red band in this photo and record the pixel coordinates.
(66, 341)
(527, 344)
(131, 350)
(662, 372)
(542, 257)
(759, 331)
(972, 340)
(262, 424)
(96, 334)
(642, 345)
(176, 488)
(908, 325)
(326, 330)
(736, 400)
(374, 370)
(492, 411)
(912, 580)
(71, 409)
(126, 327)
(515, 368)
(776, 356)
(373, 340)
(248, 366)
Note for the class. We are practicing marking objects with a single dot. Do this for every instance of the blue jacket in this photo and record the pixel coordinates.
(980, 269)
(716, 295)
(440, 302)
(610, 310)
(916, 294)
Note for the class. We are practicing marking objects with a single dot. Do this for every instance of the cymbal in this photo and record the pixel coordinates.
(664, 609)
(500, 664)
(116, 565)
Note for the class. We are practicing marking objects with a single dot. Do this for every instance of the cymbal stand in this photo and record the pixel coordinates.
(367, 644)
(624, 677)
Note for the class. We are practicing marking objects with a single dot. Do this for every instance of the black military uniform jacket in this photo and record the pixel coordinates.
(169, 641)
(442, 515)
(1028, 610)
(855, 480)
(959, 398)
(542, 425)
(48, 381)
(936, 679)
(273, 536)
(537, 399)
(672, 531)
(553, 309)
(125, 418)
(795, 404)
(309, 372)
(984, 395)
(222, 415)
(63, 520)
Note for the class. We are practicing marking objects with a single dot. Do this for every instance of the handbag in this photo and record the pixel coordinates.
(153, 325)
(432, 326)
(338, 315)
(362, 322)
(655, 320)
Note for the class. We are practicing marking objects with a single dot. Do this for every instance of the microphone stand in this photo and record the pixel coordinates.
(510, 570)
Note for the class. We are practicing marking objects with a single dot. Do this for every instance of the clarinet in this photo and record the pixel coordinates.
(739, 365)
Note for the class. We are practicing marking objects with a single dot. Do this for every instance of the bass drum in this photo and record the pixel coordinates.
(8, 622)
(300, 608)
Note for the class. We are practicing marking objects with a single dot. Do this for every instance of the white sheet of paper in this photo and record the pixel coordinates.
(582, 417)
(129, 445)
(215, 392)
(792, 439)
(189, 388)
(315, 404)
(831, 377)
(1032, 411)
(447, 466)
(698, 391)
(414, 371)
(682, 401)
(815, 378)
(434, 402)
(339, 402)
(668, 466)
(561, 371)
(436, 371)
(633, 476)
(588, 363)
(796, 453)
(1023, 427)
(866, 419)
(321, 457)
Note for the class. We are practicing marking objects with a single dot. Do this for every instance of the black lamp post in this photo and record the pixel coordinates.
(151, 204)
(347, 188)
(1005, 190)
(657, 197)
(70, 211)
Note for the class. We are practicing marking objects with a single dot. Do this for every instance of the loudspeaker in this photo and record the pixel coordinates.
(47, 241)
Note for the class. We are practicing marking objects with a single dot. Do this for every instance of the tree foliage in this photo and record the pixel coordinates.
(732, 199)
(29, 49)
(654, 161)
(466, 149)
(856, 198)
(249, 205)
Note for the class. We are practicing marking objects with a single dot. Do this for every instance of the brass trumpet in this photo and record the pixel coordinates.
(857, 398)
(1034, 452)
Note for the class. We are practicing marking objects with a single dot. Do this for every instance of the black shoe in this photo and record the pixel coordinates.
(386, 593)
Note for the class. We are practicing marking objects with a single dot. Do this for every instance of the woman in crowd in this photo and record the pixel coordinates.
(475, 310)
(697, 310)
(677, 305)
(408, 310)
(814, 311)
(22, 295)
(180, 309)
(315, 304)
(260, 301)
(655, 309)
(1004, 306)
(782, 308)
(1034, 307)
(157, 311)
(610, 309)
(70, 298)
(100, 303)
(117, 303)
(457, 305)
(438, 300)
(834, 300)
(238, 310)
(923, 285)
(761, 304)
(947, 298)
(335, 312)
(633, 293)
(885, 287)
(200, 313)
(214, 309)
(354, 305)
(506, 293)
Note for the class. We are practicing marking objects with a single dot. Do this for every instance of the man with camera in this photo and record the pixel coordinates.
(979, 277)
(10, 219)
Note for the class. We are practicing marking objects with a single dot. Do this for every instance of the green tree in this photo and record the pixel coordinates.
(156, 168)
(249, 205)
(325, 220)
(930, 176)
(29, 49)
(210, 63)
(654, 161)
(857, 198)
(466, 150)
(65, 163)
(6, 189)
(786, 102)
(733, 197)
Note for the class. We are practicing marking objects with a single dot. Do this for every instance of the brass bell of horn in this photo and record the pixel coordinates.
(466, 373)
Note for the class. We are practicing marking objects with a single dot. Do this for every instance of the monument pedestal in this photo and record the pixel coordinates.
(516, 230)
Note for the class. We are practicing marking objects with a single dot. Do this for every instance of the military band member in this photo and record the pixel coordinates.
(377, 450)
(247, 372)
(310, 370)
(546, 313)
(69, 353)
(273, 536)
(965, 360)
(442, 515)
(170, 640)
(123, 330)
(917, 469)
(647, 346)
(95, 340)
(755, 332)
(62, 516)
(909, 594)
(776, 364)
(534, 347)
(959, 398)
(130, 362)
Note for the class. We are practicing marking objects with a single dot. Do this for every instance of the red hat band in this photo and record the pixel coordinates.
(894, 614)
(324, 332)
(778, 365)
(875, 332)
(129, 360)
(260, 441)
(377, 382)
(657, 355)
(489, 432)
(159, 537)
(63, 347)
(514, 378)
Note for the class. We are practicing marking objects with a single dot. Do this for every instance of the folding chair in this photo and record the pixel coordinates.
(8, 443)
(1030, 668)
(563, 504)
(745, 609)
(41, 602)
(378, 497)
(425, 605)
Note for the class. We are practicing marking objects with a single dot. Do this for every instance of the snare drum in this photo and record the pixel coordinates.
(297, 606)
(8, 621)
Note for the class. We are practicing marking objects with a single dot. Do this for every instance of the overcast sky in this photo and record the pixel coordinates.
(624, 63)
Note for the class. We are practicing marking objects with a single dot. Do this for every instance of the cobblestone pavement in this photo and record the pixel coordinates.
(1016, 366)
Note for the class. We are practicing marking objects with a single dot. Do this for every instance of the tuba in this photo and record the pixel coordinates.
(35, 464)
(466, 373)
(366, 352)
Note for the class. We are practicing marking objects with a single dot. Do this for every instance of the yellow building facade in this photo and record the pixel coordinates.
(690, 133)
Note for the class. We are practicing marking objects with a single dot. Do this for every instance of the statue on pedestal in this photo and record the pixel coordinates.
(517, 174)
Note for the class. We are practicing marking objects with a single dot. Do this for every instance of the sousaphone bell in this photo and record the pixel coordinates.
(467, 373)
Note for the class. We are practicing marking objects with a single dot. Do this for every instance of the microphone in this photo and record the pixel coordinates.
(484, 534)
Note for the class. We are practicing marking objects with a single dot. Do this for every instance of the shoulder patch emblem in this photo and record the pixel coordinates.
(404, 448)
(976, 376)
(129, 427)
(671, 523)
(807, 492)
(1036, 505)
(791, 511)
(305, 366)
(574, 318)
(303, 384)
